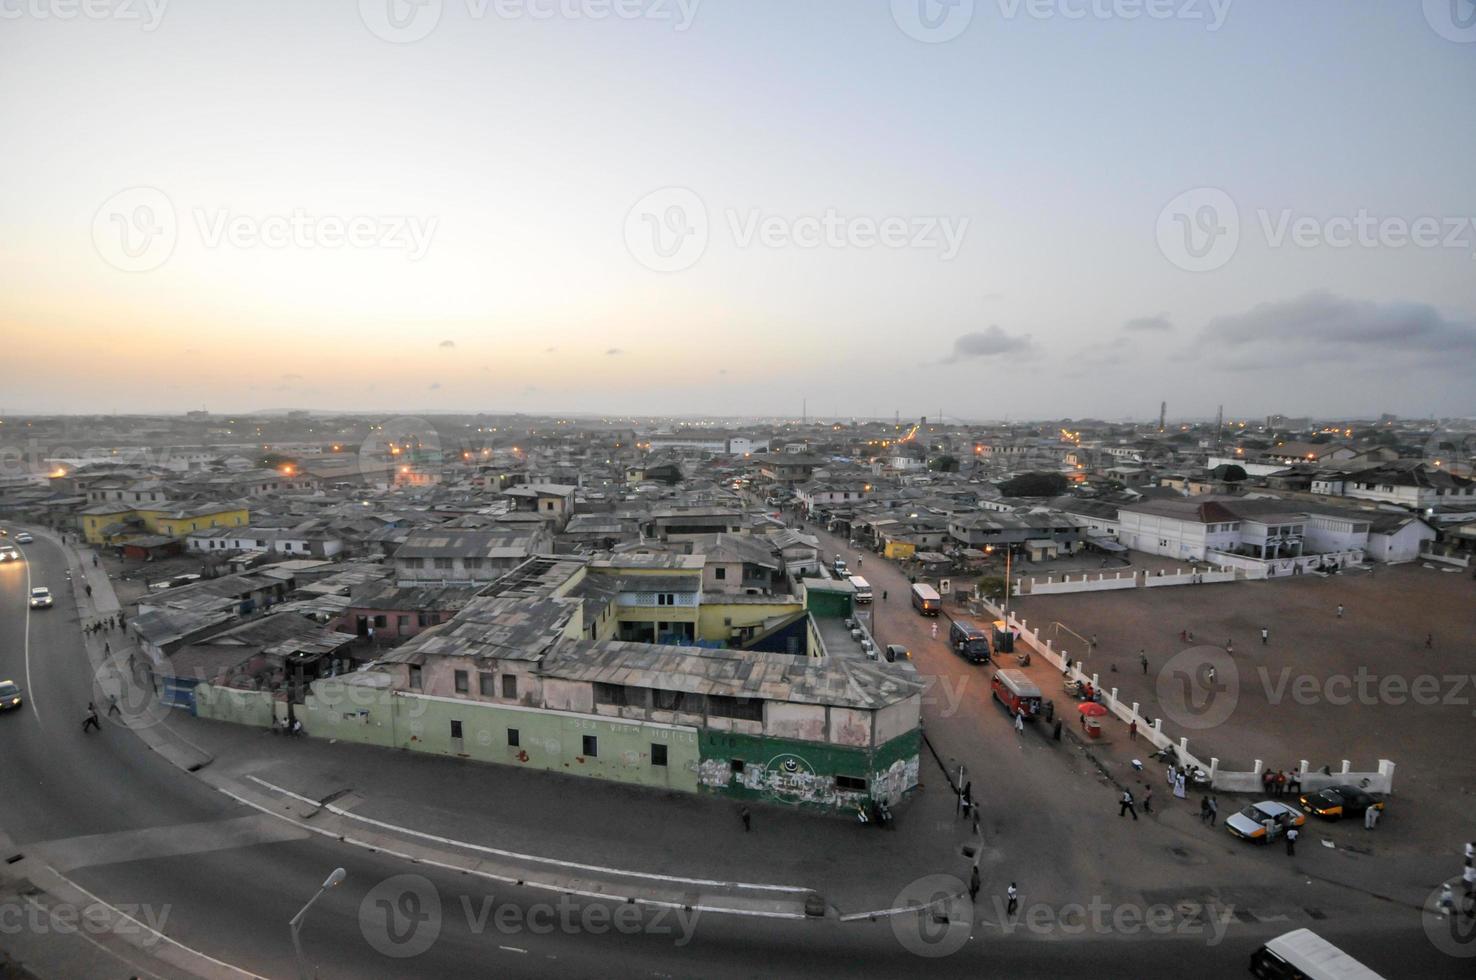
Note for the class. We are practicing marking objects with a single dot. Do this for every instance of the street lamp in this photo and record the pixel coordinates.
(334, 880)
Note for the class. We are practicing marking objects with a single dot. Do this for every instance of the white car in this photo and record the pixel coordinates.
(24, 538)
(1263, 821)
(8, 553)
(41, 597)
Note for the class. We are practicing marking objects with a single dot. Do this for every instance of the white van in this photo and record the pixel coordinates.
(862, 587)
(1303, 953)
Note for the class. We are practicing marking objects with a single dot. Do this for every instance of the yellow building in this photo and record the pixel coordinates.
(113, 524)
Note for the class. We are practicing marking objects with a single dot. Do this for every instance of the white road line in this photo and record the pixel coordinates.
(505, 879)
(514, 855)
(513, 949)
(30, 688)
(30, 900)
(150, 929)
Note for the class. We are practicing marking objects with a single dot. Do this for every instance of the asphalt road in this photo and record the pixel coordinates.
(217, 877)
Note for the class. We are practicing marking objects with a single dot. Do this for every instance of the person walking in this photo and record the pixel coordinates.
(1143, 659)
(1147, 798)
(1265, 635)
(1125, 805)
(1211, 676)
(1214, 814)
(1370, 818)
(1180, 786)
(1204, 809)
(113, 708)
(747, 819)
(884, 595)
(1012, 897)
(88, 587)
(107, 649)
(1446, 902)
(91, 719)
(1133, 730)
(1340, 610)
(1291, 841)
(1020, 722)
(1229, 647)
(935, 631)
(1468, 880)
(1429, 641)
(974, 883)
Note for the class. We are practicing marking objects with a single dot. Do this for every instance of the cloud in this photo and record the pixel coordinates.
(613, 351)
(1160, 322)
(1338, 326)
(448, 345)
(987, 343)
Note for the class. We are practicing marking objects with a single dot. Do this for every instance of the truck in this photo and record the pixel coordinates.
(862, 587)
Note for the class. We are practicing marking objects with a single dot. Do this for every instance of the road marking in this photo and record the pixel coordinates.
(30, 688)
(374, 848)
(156, 933)
(513, 949)
(514, 855)
(173, 840)
(30, 900)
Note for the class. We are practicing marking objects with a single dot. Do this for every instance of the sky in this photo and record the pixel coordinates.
(984, 208)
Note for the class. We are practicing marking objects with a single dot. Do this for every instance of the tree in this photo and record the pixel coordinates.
(944, 464)
(992, 587)
(1034, 485)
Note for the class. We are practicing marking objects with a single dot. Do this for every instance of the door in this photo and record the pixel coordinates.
(457, 745)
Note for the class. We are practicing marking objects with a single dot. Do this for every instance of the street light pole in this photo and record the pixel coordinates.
(334, 880)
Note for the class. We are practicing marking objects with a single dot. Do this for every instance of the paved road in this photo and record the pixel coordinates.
(121, 822)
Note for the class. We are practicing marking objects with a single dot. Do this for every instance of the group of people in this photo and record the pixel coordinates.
(1279, 783)
(105, 625)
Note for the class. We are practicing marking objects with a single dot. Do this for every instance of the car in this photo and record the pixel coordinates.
(10, 695)
(1336, 802)
(41, 597)
(1250, 823)
(8, 553)
(24, 537)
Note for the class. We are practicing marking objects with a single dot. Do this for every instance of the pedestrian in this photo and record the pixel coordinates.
(1181, 783)
(1050, 710)
(966, 801)
(94, 561)
(1468, 879)
(1429, 641)
(1265, 635)
(1294, 781)
(1143, 659)
(1280, 782)
(91, 719)
(1229, 648)
(1147, 798)
(1056, 731)
(1204, 808)
(935, 631)
(113, 708)
(1370, 818)
(1291, 841)
(106, 648)
(884, 595)
(1092, 643)
(1446, 902)
(747, 819)
(1012, 894)
(88, 587)
(1133, 730)
(974, 883)
(1125, 805)
(1020, 722)
(1340, 610)
(1214, 810)
(1212, 673)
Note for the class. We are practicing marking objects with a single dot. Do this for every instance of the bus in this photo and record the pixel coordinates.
(926, 600)
(862, 587)
(1303, 953)
(969, 641)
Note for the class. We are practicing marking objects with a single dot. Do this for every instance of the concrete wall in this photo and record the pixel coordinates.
(230, 704)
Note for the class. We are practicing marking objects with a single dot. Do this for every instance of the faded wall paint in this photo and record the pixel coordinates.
(230, 704)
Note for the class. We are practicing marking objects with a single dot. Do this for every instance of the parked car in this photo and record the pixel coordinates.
(10, 695)
(1251, 823)
(41, 597)
(24, 537)
(1336, 802)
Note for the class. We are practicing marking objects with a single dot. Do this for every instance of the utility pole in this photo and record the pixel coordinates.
(1162, 414)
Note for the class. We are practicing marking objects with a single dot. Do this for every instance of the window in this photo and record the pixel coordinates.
(402, 623)
(613, 694)
(658, 755)
(663, 598)
(443, 563)
(720, 573)
(463, 682)
(736, 765)
(743, 709)
(549, 505)
(591, 747)
(513, 738)
(455, 729)
(380, 622)
(414, 677)
(473, 563)
(676, 701)
(487, 684)
(509, 685)
(850, 784)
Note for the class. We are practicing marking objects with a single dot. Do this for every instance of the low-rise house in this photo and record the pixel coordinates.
(441, 556)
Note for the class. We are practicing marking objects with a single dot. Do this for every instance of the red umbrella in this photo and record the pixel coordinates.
(1091, 709)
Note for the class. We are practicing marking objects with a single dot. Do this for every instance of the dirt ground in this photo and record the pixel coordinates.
(1361, 687)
